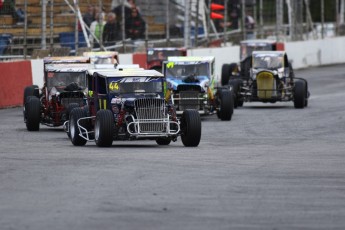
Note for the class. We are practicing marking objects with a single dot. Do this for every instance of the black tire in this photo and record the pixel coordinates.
(163, 141)
(73, 130)
(226, 105)
(307, 95)
(31, 90)
(225, 77)
(104, 128)
(236, 91)
(68, 112)
(299, 94)
(239, 103)
(32, 113)
(191, 128)
(70, 108)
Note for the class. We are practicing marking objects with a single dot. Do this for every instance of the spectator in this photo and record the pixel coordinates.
(89, 16)
(128, 4)
(250, 25)
(96, 29)
(135, 26)
(8, 7)
(111, 32)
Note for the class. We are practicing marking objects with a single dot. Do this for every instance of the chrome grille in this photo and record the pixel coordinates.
(150, 113)
(189, 100)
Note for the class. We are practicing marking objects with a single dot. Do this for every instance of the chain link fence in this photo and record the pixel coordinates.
(36, 28)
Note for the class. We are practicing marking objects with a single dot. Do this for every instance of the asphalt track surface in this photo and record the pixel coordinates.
(271, 167)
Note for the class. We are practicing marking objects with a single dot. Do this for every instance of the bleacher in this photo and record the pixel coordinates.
(64, 22)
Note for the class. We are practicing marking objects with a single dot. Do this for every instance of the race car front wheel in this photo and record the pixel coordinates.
(191, 128)
(32, 114)
(226, 105)
(31, 90)
(104, 128)
(300, 95)
(74, 131)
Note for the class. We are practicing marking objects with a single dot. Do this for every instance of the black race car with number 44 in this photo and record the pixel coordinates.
(129, 104)
(271, 79)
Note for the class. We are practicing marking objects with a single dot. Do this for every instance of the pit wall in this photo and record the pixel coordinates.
(15, 76)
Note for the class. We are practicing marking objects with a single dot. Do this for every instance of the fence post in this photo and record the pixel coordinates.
(51, 27)
(322, 18)
(279, 18)
(25, 28)
(186, 23)
(44, 25)
(76, 33)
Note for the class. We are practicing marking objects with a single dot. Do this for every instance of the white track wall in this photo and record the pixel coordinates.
(302, 54)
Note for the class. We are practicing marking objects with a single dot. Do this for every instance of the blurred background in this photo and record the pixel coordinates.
(37, 28)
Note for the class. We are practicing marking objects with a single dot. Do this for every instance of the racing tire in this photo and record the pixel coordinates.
(104, 128)
(68, 112)
(299, 94)
(236, 90)
(163, 141)
(31, 90)
(226, 105)
(191, 128)
(307, 95)
(70, 108)
(225, 77)
(32, 113)
(73, 130)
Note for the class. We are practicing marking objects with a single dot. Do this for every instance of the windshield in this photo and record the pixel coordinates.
(182, 70)
(162, 55)
(247, 49)
(102, 60)
(135, 87)
(268, 61)
(62, 79)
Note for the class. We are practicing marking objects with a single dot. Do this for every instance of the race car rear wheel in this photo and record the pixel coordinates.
(225, 74)
(32, 113)
(191, 128)
(226, 105)
(73, 131)
(299, 94)
(104, 128)
(163, 141)
(236, 91)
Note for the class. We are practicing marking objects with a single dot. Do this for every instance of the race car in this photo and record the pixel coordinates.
(241, 70)
(271, 80)
(190, 85)
(129, 104)
(156, 56)
(64, 89)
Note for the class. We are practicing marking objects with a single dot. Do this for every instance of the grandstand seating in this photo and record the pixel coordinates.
(64, 22)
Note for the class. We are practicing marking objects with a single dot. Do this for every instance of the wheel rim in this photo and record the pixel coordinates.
(72, 128)
(96, 130)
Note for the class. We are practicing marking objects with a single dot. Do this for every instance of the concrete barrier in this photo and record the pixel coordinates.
(14, 77)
